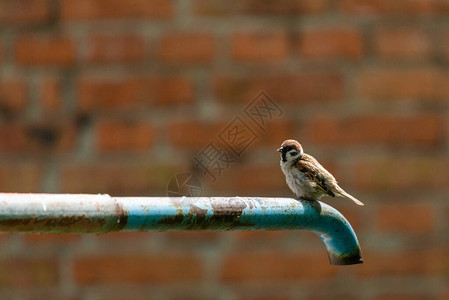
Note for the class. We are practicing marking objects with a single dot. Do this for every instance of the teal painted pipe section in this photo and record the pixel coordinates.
(60, 213)
(247, 213)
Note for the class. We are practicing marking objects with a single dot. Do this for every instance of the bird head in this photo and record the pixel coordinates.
(290, 150)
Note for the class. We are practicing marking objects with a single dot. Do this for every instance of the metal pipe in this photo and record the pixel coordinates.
(67, 213)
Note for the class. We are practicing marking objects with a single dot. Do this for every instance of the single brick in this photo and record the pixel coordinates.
(122, 49)
(25, 12)
(187, 134)
(13, 96)
(51, 239)
(109, 94)
(406, 84)
(38, 137)
(403, 43)
(50, 96)
(23, 177)
(115, 9)
(272, 266)
(331, 43)
(392, 7)
(187, 48)
(119, 178)
(137, 269)
(401, 173)
(430, 261)
(23, 273)
(419, 130)
(35, 50)
(404, 219)
(251, 7)
(288, 88)
(259, 46)
(404, 296)
(247, 180)
(113, 136)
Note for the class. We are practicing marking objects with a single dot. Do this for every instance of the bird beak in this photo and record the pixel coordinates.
(280, 149)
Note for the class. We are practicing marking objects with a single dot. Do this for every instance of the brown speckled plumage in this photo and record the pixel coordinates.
(306, 177)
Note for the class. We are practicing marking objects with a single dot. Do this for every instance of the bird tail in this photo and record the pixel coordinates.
(342, 193)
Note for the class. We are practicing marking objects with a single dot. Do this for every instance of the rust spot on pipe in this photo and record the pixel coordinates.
(63, 224)
(233, 207)
(347, 259)
(122, 217)
(174, 220)
(198, 211)
(226, 215)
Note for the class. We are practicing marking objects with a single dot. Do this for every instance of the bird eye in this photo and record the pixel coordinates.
(293, 153)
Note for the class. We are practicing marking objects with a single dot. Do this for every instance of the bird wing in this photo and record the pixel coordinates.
(315, 172)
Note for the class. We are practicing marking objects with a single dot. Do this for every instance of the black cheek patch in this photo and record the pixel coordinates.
(284, 158)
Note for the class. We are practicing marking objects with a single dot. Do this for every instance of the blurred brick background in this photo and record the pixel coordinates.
(118, 96)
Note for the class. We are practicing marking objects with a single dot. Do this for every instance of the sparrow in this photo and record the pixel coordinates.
(306, 177)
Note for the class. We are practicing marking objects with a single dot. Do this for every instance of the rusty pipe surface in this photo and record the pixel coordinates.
(68, 213)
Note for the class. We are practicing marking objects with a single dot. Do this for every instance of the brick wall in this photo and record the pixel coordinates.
(118, 96)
